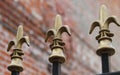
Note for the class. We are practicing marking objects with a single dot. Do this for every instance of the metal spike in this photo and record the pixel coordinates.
(19, 33)
(103, 13)
(58, 22)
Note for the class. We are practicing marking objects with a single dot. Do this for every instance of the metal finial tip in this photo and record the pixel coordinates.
(19, 33)
(103, 13)
(58, 17)
(103, 9)
(103, 6)
(20, 27)
(58, 22)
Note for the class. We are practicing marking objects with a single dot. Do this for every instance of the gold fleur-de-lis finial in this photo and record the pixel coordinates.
(57, 44)
(16, 56)
(20, 39)
(104, 37)
(105, 20)
(58, 29)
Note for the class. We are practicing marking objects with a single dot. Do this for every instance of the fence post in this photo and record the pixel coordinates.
(105, 48)
(16, 64)
(57, 56)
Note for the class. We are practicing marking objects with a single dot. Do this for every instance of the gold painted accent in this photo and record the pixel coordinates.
(16, 56)
(57, 44)
(104, 37)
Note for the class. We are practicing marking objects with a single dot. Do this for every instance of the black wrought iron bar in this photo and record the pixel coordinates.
(105, 63)
(56, 70)
(14, 73)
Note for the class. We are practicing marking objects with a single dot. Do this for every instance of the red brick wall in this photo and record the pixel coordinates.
(37, 16)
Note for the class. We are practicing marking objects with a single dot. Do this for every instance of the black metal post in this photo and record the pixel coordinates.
(105, 63)
(15, 73)
(56, 70)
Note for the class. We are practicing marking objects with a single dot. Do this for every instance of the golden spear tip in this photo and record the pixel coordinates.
(103, 8)
(58, 22)
(20, 27)
(19, 33)
(103, 13)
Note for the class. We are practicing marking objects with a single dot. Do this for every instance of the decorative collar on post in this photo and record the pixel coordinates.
(57, 56)
(16, 56)
(104, 37)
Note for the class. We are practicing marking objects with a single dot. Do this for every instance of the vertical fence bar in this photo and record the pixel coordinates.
(57, 56)
(15, 73)
(105, 63)
(16, 64)
(105, 49)
(56, 68)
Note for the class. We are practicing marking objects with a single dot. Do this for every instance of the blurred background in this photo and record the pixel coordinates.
(37, 16)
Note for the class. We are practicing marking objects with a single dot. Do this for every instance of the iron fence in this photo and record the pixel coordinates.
(57, 56)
